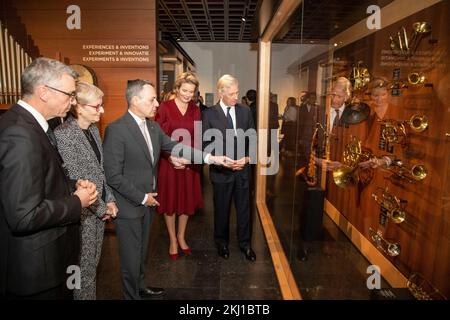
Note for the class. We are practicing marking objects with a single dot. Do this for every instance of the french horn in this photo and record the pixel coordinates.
(394, 131)
(391, 248)
(391, 203)
(353, 155)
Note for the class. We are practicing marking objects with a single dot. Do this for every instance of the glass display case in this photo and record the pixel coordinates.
(360, 96)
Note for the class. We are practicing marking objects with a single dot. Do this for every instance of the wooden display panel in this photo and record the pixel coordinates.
(425, 234)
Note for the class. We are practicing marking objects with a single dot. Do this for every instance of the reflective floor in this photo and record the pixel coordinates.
(328, 265)
(203, 275)
(334, 268)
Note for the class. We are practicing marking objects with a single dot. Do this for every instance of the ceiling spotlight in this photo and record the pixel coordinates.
(243, 19)
(335, 44)
(178, 39)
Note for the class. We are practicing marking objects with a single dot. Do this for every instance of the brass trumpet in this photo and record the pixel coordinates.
(354, 154)
(412, 174)
(391, 248)
(391, 203)
(394, 131)
(422, 289)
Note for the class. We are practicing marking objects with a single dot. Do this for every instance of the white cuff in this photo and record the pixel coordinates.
(145, 199)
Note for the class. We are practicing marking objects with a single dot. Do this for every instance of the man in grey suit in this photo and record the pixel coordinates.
(132, 147)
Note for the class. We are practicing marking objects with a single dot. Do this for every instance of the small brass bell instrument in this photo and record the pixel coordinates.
(391, 248)
(416, 78)
(410, 173)
(394, 131)
(391, 203)
(353, 154)
(422, 289)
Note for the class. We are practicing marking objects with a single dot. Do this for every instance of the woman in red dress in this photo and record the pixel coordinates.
(179, 190)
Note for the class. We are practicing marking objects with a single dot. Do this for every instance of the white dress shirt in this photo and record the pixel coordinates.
(149, 139)
(232, 113)
(36, 114)
(333, 115)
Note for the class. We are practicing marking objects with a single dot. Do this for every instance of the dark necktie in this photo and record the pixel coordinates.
(229, 119)
(52, 138)
(336, 119)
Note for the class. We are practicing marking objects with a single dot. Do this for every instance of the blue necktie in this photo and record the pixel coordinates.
(229, 120)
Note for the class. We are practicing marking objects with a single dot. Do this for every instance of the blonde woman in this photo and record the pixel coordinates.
(80, 147)
(179, 189)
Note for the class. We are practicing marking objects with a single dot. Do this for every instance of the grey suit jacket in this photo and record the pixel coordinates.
(128, 166)
(82, 163)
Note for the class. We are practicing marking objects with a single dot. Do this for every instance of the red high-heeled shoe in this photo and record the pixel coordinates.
(187, 251)
(173, 256)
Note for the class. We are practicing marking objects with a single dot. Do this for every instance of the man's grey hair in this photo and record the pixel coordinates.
(134, 89)
(226, 81)
(43, 71)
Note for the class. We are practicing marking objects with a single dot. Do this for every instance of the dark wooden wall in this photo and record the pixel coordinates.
(103, 22)
(425, 235)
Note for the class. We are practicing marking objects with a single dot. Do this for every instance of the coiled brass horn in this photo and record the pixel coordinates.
(394, 131)
(391, 248)
(391, 203)
(354, 154)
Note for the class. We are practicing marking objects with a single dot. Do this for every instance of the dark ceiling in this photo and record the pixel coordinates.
(208, 20)
(235, 20)
(324, 19)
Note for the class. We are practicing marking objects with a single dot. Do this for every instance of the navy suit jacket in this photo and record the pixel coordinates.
(215, 118)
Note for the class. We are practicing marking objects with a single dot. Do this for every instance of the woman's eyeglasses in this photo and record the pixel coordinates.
(97, 107)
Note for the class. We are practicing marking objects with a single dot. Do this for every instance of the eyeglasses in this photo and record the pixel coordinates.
(72, 95)
(97, 107)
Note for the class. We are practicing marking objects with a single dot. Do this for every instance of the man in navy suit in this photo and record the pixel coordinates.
(231, 182)
(39, 212)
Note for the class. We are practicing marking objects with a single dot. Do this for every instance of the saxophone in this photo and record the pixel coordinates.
(311, 176)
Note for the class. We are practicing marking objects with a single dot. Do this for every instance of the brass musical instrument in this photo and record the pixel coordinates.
(391, 248)
(412, 174)
(359, 77)
(353, 154)
(394, 131)
(311, 175)
(391, 203)
(416, 78)
(422, 289)
(407, 46)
